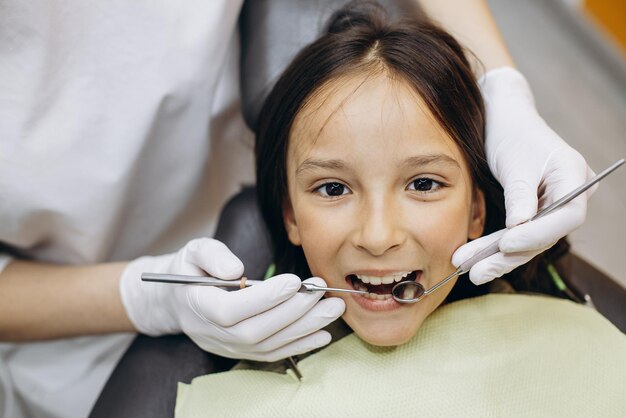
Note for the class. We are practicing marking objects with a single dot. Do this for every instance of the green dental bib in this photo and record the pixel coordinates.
(495, 355)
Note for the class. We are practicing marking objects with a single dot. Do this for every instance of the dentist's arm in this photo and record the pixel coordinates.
(533, 164)
(40, 301)
(471, 23)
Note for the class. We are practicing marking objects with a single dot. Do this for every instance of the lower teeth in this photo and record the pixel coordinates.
(408, 293)
(376, 296)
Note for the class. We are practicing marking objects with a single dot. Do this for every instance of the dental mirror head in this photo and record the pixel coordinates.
(408, 292)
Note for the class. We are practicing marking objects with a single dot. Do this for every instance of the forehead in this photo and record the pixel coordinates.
(358, 111)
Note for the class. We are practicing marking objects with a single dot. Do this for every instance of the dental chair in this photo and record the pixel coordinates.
(272, 31)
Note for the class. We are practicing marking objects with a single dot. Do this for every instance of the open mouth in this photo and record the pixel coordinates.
(380, 287)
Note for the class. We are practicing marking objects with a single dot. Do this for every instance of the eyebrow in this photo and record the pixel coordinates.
(428, 159)
(313, 164)
(417, 161)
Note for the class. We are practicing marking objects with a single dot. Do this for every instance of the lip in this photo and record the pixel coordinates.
(380, 273)
(377, 305)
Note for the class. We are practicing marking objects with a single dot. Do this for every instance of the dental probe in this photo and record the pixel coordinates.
(238, 284)
(416, 291)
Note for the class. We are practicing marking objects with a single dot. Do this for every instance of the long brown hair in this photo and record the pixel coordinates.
(359, 39)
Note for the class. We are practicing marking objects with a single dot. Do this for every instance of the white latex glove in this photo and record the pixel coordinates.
(535, 167)
(265, 322)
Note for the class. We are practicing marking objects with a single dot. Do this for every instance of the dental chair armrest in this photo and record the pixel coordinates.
(608, 296)
(144, 382)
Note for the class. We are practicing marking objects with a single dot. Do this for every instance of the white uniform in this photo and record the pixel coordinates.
(120, 136)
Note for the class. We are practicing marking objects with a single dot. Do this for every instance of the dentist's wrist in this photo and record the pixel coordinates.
(505, 83)
(147, 305)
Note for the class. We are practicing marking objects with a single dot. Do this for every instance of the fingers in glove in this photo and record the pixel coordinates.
(226, 309)
(546, 231)
(497, 265)
(259, 327)
(300, 346)
(520, 201)
(467, 251)
(322, 314)
(214, 257)
(565, 170)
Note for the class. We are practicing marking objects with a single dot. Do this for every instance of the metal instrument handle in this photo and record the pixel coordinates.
(203, 280)
(231, 284)
(310, 287)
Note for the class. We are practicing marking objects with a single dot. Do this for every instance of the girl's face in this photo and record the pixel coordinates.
(378, 192)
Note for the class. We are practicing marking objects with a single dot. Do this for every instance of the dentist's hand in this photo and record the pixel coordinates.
(265, 322)
(535, 167)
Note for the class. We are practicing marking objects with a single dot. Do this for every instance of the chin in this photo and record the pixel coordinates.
(386, 335)
(385, 342)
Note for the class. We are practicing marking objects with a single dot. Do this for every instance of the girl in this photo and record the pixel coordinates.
(371, 169)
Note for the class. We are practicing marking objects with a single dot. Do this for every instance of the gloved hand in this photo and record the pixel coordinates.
(529, 159)
(265, 322)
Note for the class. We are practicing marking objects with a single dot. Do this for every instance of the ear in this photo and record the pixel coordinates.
(478, 215)
(290, 224)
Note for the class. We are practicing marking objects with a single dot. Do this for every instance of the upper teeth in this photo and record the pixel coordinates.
(376, 280)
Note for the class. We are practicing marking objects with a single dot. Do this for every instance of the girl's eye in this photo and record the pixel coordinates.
(424, 184)
(332, 189)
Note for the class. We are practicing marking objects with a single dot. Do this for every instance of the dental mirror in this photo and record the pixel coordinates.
(411, 291)
(408, 292)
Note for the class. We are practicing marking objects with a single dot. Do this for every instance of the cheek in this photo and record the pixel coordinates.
(322, 233)
(443, 229)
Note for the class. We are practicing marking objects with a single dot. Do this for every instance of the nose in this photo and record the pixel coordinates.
(379, 227)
